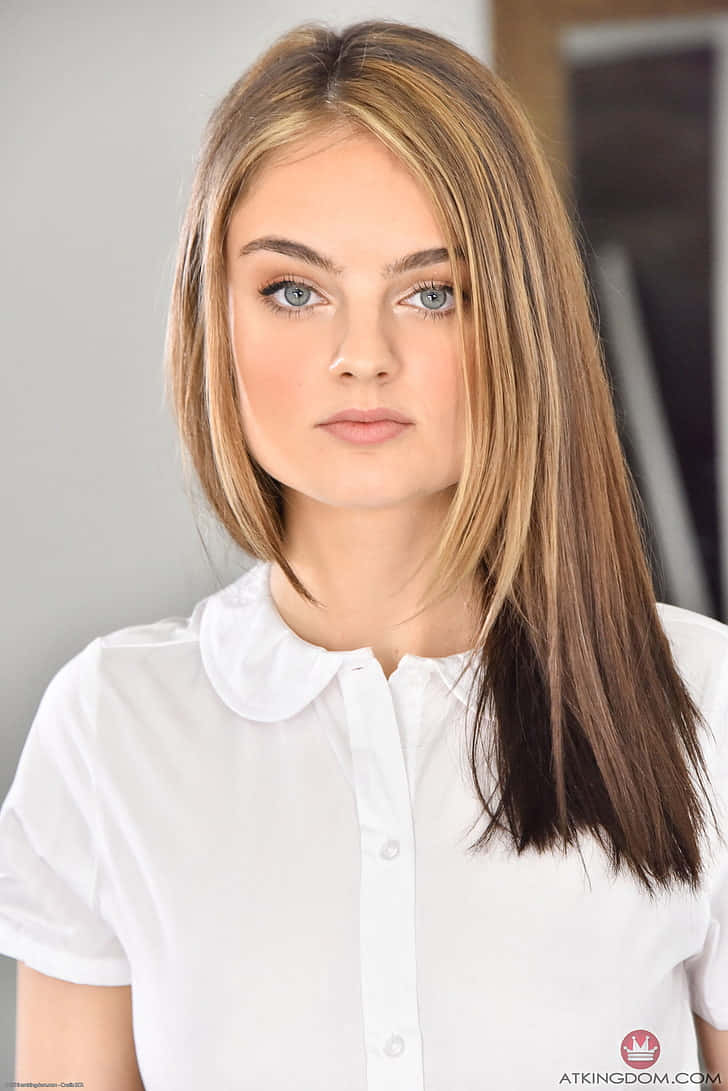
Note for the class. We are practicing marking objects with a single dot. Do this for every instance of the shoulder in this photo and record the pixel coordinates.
(121, 661)
(681, 621)
(700, 649)
(147, 660)
(158, 635)
(173, 663)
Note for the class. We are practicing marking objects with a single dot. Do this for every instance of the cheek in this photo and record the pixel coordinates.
(441, 393)
(272, 393)
(442, 387)
(264, 366)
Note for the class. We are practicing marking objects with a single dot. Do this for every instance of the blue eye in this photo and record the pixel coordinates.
(297, 293)
(437, 289)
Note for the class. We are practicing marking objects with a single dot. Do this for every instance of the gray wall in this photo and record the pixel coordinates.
(102, 111)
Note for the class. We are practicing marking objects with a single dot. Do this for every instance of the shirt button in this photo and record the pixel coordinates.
(394, 1045)
(389, 850)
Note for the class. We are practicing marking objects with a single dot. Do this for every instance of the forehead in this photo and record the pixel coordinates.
(322, 138)
(343, 182)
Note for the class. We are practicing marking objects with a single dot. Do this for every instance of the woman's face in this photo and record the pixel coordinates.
(351, 337)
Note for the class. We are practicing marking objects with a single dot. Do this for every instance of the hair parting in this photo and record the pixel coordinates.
(593, 727)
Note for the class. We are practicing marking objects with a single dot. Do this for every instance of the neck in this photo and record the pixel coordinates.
(370, 591)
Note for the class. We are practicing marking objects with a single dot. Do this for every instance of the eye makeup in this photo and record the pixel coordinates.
(269, 290)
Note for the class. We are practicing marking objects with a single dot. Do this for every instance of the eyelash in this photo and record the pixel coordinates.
(268, 290)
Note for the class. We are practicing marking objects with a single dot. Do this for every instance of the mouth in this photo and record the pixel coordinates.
(367, 416)
(366, 432)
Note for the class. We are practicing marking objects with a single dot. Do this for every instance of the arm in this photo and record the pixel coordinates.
(713, 1046)
(74, 1032)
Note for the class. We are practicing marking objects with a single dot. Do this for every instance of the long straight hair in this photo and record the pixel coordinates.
(594, 728)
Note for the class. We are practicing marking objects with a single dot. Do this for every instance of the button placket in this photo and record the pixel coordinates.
(408, 694)
(394, 1045)
(387, 890)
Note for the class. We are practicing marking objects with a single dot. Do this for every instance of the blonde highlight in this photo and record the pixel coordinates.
(545, 513)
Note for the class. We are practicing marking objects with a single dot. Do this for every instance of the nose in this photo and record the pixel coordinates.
(365, 350)
(344, 365)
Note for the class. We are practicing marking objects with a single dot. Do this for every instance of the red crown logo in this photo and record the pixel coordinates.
(640, 1049)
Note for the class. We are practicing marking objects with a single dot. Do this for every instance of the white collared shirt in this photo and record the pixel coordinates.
(267, 840)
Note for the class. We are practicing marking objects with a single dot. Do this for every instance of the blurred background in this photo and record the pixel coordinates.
(630, 101)
(102, 111)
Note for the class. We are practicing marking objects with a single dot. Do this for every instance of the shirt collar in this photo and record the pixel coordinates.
(264, 671)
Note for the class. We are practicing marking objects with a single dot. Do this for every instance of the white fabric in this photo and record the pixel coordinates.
(267, 840)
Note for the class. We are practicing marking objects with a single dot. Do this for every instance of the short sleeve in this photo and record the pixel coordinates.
(707, 971)
(49, 915)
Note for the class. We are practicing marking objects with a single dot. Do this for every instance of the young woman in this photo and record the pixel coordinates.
(238, 848)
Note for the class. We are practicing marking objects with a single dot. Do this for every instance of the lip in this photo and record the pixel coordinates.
(368, 415)
(365, 432)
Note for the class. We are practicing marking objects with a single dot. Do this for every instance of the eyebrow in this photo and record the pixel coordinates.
(432, 256)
